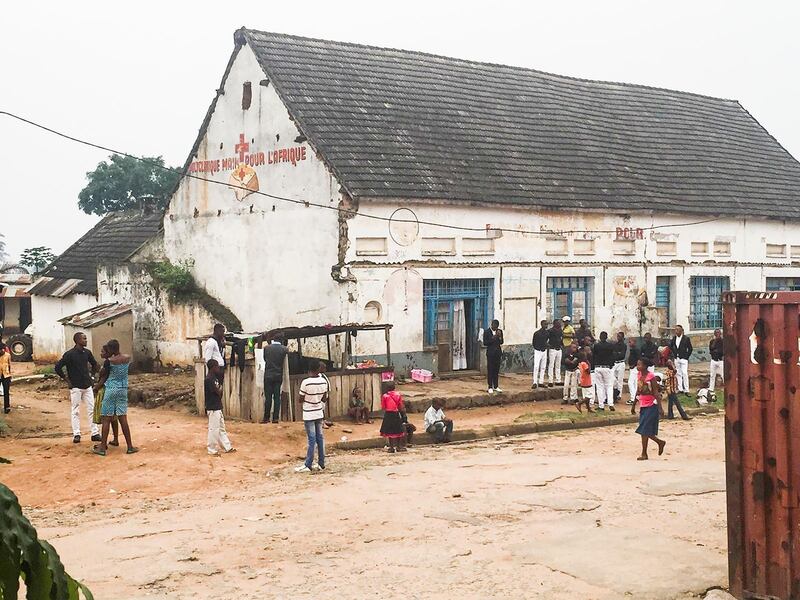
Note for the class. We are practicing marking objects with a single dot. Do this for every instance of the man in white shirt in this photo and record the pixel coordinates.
(314, 394)
(214, 349)
(436, 424)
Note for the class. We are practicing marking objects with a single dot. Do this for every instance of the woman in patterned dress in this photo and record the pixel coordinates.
(115, 398)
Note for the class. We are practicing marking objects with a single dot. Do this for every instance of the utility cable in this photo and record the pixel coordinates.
(338, 209)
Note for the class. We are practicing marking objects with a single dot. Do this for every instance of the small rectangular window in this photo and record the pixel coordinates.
(699, 248)
(438, 246)
(666, 248)
(722, 248)
(624, 247)
(247, 95)
(794, 251)
(705, 294)
(776, 250)
(477, 246)
(583, 247)
(555, 246)
(371, 246)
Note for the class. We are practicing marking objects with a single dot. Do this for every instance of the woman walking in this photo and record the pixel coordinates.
(115, 398)
(649, 399)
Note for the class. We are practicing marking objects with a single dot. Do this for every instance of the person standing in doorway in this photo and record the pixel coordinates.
(715, 349)
(78, 360)
(493, 340)
(5, 376)
(603, 353)
(115, 397)
(681, 349)
(214, 349)
(570, 361)
(568, 331)
(555, 341)
(274, 354)
(620, 349)
(314, 394)
(633, 377)
(539, 354)
(649, 351)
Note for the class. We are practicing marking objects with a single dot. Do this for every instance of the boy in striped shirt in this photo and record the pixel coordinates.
(314, 394)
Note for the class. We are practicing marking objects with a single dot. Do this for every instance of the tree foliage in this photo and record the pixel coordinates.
(24, 555)
(36, 258)
(124, 182)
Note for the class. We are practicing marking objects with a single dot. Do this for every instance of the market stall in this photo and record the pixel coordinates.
(243, 396)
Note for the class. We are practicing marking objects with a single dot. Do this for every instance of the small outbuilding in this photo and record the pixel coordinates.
(101, 323)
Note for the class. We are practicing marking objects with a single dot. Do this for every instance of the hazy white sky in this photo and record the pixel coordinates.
(140, 76)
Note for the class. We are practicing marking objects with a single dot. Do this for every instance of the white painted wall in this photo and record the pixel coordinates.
(48, 333)
(269, 261)
(523, 265)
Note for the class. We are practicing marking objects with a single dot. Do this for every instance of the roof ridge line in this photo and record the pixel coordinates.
(490, 64)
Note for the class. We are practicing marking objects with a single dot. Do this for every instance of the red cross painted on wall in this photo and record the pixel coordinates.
(242, 147)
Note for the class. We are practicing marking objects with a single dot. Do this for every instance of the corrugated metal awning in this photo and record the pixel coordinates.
(50, 286)
(96, 315)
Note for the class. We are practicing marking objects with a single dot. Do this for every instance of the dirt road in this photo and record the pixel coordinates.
(554, 516)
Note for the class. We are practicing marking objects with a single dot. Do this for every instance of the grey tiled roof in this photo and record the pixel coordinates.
(399, 124)
(113, 239)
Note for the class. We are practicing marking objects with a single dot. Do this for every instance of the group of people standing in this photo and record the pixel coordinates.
(105, 399)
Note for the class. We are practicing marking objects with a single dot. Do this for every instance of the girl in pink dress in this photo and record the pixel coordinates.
(392, 427)
(648, 397)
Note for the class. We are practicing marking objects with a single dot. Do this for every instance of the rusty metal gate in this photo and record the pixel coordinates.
(762, 441)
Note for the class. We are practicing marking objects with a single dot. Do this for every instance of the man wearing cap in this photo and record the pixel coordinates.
(568, 331)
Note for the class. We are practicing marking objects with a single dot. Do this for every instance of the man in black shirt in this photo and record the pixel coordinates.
(274, 354)
(716, 367)
(80, 380)
(493, 340)
(681, 349)
(555, 345)
(217, 436)
(650, 350)
(539, 354)
(620, 349)
(603, 353)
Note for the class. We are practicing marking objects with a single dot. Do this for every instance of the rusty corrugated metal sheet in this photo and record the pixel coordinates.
(762, 441)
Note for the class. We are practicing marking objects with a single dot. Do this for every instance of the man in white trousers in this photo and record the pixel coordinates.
(620, 349)
(633, 374)
(681, 349)
(603, 354)
(555, 345)
(80, 380)
(715, 349)
(217, 436)
(539, 355)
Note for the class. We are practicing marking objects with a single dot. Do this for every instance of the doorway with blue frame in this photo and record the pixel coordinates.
(454, 312)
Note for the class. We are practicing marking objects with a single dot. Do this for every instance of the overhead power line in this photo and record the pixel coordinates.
(338, 209)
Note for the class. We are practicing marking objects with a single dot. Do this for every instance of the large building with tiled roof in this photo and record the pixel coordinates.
(334, 183)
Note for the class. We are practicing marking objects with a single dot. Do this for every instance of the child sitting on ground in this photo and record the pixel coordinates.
(358, 411)
(392, 427)
(436, 424)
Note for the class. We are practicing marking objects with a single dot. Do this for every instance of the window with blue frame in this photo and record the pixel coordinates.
(705, 310)
(439, 296)
(571, 297)
(783, 284)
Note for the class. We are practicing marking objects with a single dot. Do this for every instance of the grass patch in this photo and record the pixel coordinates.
(568, 414)
(46, 370)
